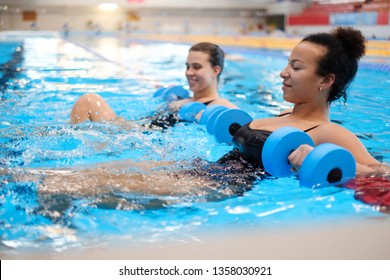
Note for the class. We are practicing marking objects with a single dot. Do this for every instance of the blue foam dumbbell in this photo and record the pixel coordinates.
(159, 92)
(211, 109)
(189, 110)
(228, 122)
(279, 146)
(326, 163)
(210, 125)
(172, 93)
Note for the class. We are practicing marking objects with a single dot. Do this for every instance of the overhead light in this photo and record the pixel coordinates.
(108, 6)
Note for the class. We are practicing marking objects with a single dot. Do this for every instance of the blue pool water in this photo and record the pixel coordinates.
(44, 77)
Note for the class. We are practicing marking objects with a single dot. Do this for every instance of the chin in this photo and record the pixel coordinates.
(194, 87)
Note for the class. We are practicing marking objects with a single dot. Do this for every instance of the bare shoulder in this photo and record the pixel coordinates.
(338, 135)
(224, 102)
(266, 123)
(286, 111)
(332, 133)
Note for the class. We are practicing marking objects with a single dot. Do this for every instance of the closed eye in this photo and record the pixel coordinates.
(195, 66)
(296, 65)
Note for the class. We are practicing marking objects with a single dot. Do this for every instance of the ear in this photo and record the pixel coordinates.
(328, 81)
(217, 70)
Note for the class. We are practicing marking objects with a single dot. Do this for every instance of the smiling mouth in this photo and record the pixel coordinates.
(192, 81)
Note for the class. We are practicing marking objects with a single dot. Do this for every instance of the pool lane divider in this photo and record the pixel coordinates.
(102, 57)
(94, 53)
(375, 66)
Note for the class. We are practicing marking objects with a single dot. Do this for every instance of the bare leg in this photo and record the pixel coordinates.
(113, 184)
(91, 107)
(100, 180)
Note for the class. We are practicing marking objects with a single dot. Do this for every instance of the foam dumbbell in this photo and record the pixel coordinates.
(227, 122)
(172, 93)
(159, 92)
(190, 110)
(325, 164)
(209, 111)
(212, 116)
(279, 146)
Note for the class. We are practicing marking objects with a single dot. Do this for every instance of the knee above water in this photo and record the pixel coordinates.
(89, 98)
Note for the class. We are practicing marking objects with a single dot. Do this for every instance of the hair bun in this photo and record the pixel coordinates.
(352, 40)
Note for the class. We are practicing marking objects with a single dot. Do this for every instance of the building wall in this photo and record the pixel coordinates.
(185, 20)
(206, 21)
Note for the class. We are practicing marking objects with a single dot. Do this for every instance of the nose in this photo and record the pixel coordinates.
(189, 71)
(283, 74)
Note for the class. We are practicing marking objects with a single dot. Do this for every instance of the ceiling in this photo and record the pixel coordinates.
(147, 3)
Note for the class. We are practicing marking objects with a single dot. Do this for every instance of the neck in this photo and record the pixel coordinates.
(309, 112)
(206, 95)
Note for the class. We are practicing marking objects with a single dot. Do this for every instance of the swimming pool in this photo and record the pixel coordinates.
(45, 75)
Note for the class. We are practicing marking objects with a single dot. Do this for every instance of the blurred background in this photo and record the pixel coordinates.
(196, 17)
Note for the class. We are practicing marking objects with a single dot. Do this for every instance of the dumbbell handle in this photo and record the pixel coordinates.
(228, 122)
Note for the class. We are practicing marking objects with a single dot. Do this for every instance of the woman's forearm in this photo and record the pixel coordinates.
(374, 170)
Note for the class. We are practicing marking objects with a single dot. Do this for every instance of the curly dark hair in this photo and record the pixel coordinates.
(345, 46)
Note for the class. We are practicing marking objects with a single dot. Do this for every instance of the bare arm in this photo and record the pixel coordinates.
(336, 134)
(297, 157)
(332, 133)
(224, 102)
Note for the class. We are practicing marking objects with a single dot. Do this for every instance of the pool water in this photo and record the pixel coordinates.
(46, 74)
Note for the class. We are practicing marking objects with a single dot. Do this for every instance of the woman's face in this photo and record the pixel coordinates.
(199, 72)
(301, 83)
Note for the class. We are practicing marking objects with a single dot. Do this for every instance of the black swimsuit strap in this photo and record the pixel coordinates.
(281, 115)
(289, 113)
(208, 102)
(311, 128)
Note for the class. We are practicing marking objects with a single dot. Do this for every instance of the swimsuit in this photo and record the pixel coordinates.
(242, 166)
(166, 119)
(249, 144)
